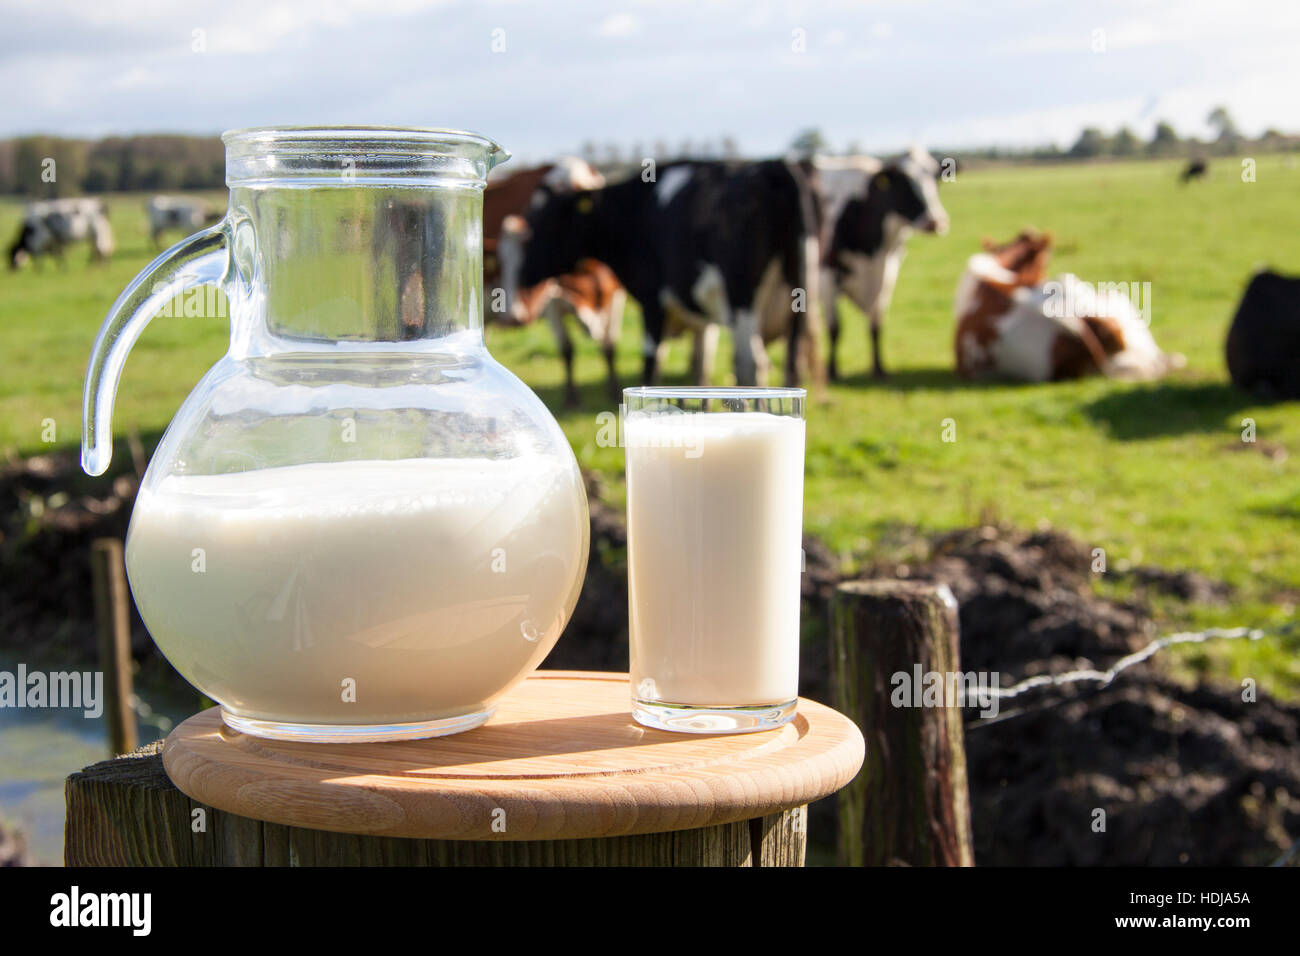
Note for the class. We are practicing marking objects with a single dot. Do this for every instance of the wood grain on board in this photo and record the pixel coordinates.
(561, 759)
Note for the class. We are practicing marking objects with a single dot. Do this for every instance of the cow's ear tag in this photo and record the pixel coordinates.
(882, 180)
(584, 205)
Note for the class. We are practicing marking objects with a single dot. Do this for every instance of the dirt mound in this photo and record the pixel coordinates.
(1027, 605)
(1185, 776)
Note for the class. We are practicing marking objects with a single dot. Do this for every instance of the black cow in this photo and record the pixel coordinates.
(1195, 169)
(725, 243)
(1263, 347)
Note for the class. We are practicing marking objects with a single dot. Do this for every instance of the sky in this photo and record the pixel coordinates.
(546, 77)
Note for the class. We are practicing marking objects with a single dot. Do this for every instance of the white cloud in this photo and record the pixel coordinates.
(880, 74)
(620, 25)
(133, 78)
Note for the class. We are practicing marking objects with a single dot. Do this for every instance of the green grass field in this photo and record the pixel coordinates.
(1154, 474)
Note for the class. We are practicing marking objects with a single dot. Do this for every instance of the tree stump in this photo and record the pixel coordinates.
(910, 803)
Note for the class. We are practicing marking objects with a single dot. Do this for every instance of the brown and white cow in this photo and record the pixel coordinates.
(590, 293)
(1012, 323)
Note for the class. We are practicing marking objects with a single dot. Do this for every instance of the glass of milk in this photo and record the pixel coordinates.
(714, 528)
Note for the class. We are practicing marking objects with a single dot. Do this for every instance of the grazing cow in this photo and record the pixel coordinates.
(49, 226)
(1011, 323)
(705, 244)
(1195, 169)
(177, 212)
(869, 210)
(591, 293)
(1263, 347)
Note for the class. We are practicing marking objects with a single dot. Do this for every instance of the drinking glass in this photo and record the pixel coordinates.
(714, 526)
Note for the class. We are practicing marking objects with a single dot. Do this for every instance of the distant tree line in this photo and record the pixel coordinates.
(613, 154)
(51, 166)
(1094, 143)
(1166, 142)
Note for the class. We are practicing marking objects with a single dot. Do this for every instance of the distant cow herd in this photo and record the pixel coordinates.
(766, 250)
(746, 246)
(50, 226)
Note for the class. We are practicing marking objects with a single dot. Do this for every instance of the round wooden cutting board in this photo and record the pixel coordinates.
(561, 759)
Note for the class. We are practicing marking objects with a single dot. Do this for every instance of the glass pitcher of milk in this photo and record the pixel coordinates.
(359, 526)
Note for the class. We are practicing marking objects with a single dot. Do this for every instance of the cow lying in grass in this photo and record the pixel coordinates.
(1012, 323)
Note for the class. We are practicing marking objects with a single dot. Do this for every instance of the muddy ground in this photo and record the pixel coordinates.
(1185, 775)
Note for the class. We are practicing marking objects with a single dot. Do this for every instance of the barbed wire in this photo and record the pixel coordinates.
(1104, 678)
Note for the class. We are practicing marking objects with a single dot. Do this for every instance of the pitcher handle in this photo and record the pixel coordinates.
(202, 259)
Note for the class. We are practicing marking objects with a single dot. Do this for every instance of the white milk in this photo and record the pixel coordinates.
(434, 585)
(715, 514)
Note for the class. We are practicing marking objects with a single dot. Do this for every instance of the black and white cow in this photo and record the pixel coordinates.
(870, 208)
(705, 244)
(53, 224)
(181, 213)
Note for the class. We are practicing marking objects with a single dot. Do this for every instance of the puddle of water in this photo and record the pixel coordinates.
(40, 747)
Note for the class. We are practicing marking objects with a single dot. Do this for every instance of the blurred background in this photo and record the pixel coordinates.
(1159, 145)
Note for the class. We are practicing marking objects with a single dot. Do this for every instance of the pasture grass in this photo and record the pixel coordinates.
(1152, 473)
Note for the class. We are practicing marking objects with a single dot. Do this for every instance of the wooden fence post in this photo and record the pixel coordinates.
(909, 804)
(113, 624)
